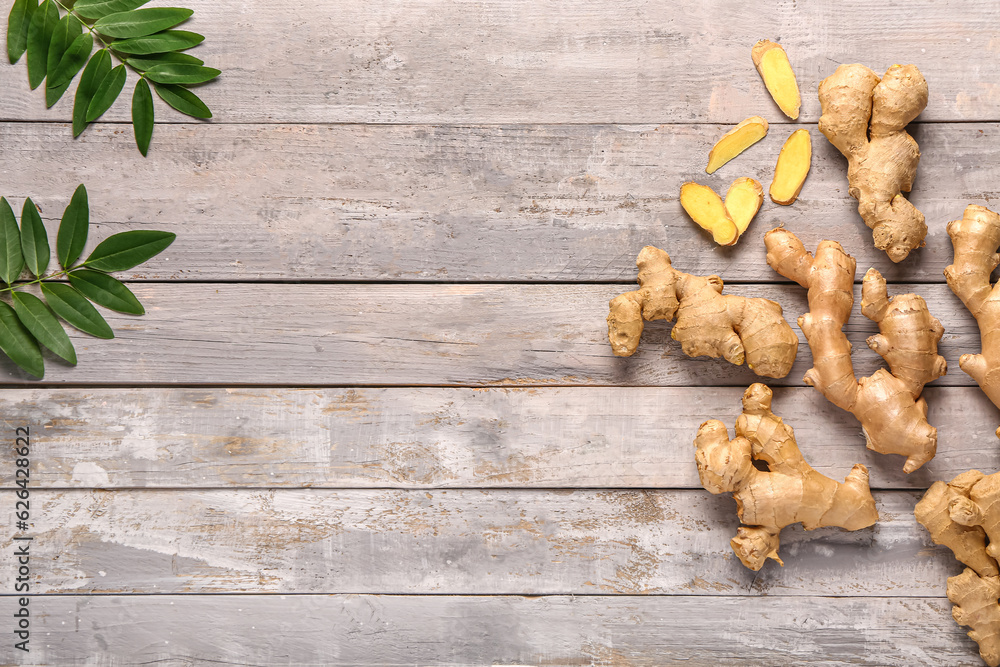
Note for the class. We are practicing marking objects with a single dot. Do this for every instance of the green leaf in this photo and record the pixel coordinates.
(141, 22)
(34, 242)
(65, 32)
(18, 23)
(72, 235)
(39, 36)
(72, 61)
(182, 99)
(43, 325)
(93, 74)
(171, 73)
(18, 343)
(107, 92)
(97, 9)
(142, 117)
(73, 307)
(161, 42)
(127, 249)
(143, 64)
(105, 291)
(11, 260)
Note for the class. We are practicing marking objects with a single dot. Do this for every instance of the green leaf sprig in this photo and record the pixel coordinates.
(28, 322)
(143, 40)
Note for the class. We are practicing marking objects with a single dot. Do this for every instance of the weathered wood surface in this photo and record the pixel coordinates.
(371, 334)
(576, 437)
(471, 541)
(585, 61)
(180, 630)
(570, 203)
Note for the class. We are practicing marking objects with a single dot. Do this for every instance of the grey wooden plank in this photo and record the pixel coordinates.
(453, 542)
(586, 61)
(577, 437)
(266, 630)
(525, 203)
(411, 334)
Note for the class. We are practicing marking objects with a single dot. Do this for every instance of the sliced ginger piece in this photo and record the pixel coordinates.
(792, 168)
(772, 64)
(743, 200)
(707, 209)
(735, 141)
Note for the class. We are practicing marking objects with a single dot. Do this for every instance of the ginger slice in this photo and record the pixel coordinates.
(735, 141)
(743, 200)
(783, 491)
(793, 165)
(709, 323)
(772, 64)
(707, 209)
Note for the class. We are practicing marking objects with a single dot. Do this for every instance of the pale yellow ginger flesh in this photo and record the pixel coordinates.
(709, 323)
(788, 491)
(707, 209)
(880, 168)
(893, 416)
(743, 200)
(735, 141)
(772, 64)
(725, 220)
(964, 515)
(975, 239)
(793, 165)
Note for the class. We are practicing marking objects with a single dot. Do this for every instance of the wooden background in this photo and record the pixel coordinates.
(371, 415)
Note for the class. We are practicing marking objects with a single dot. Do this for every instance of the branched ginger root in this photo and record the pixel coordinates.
(708, 322)
(788, 491)
(976, 238)
(793, 165)
(735, 141)
(893, 416)
(772, 64)
(964, 515)
(725, 220)
(881, 168)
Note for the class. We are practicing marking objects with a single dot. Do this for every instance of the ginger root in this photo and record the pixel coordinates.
(893, 416)
(772, 64)
(964, 516)
(725, 220)
(793, 165)
(787, 491)
(735, 141)
(708, 322)
(976, 238)
(881, 168)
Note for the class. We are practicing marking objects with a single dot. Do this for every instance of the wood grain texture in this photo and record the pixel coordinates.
(584, 61)
(370, 334)
(571, 203)
(578, 437)
(180, 630)
(456, 542)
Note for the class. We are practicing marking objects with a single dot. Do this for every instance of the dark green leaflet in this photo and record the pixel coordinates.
(18, 23)
(107, 92)
(18, 344)
(43, 325)
(11, 259)
(72, 60)
(142, 115)
(73, 307)
(128, 249)
(185, 74)
(143, 64)
(93, 74)
(141, 22)
(161, 42)
(105, 291)
(72, 235)
(63, 35)
(182, 99)
(96, 9)
(34, 241)
(39, 35)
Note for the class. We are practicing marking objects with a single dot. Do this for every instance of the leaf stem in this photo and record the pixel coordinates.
(36, 281)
